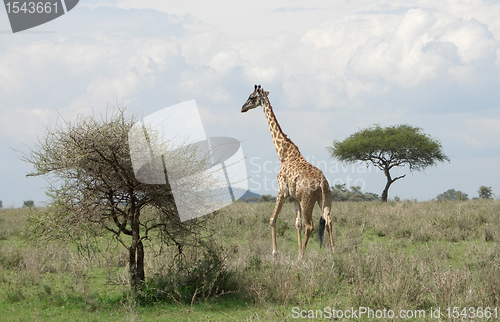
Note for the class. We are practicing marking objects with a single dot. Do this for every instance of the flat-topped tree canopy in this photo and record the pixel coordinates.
(389, 147)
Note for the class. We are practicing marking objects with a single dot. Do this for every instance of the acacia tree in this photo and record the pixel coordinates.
(485, 192)
(94, 189)
(28, 204)
(390, 147)
(451, 194)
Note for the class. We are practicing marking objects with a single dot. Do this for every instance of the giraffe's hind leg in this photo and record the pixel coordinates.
(307, 211)
(329, 226)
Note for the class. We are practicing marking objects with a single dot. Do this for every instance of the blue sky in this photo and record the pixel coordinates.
(332, 67)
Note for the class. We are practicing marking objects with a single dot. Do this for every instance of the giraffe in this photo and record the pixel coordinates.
(297, 179)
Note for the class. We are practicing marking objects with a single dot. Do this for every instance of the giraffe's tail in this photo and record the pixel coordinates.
(326, 203)
(321, 230)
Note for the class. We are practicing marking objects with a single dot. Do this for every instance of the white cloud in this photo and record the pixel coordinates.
(364, 55)
(225, 60)
(396, 57)
(342, 62)
(424, 47)
(473, 40)
(22, 124)
(349, 65)
(127, 74)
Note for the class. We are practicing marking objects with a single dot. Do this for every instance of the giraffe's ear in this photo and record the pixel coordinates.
(267, 93)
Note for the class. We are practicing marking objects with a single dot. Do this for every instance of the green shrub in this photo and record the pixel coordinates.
(191, 278)
(28, 204)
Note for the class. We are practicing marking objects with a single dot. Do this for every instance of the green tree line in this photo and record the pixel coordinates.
(484, 192)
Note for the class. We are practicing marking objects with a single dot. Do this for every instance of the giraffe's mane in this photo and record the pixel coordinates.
(279, 126)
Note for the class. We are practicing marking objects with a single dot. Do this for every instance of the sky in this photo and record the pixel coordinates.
(332, 68)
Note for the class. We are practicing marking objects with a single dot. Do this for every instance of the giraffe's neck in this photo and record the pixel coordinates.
(282, 143)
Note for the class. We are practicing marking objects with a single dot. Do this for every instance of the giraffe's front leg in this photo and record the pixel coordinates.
(280, 200)
(298, 227)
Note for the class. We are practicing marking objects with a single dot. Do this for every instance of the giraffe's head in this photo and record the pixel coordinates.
(257, 98)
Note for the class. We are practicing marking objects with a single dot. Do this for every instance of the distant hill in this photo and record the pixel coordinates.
(250, 196)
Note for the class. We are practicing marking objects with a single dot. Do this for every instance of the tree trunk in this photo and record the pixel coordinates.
(132, 268)
(385, 193)
(140, 263)
(136, 258)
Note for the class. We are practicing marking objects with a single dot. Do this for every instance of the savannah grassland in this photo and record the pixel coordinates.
(394, 256)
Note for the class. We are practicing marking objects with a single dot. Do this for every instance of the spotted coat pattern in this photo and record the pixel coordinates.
(297, 179)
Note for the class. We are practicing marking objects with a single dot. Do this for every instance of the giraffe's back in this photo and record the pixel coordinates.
(303, 180)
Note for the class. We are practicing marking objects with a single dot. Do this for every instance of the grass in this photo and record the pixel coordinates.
(393, 256)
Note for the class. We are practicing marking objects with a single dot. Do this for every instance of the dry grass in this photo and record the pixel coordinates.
(403, 255)
(395, 255)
